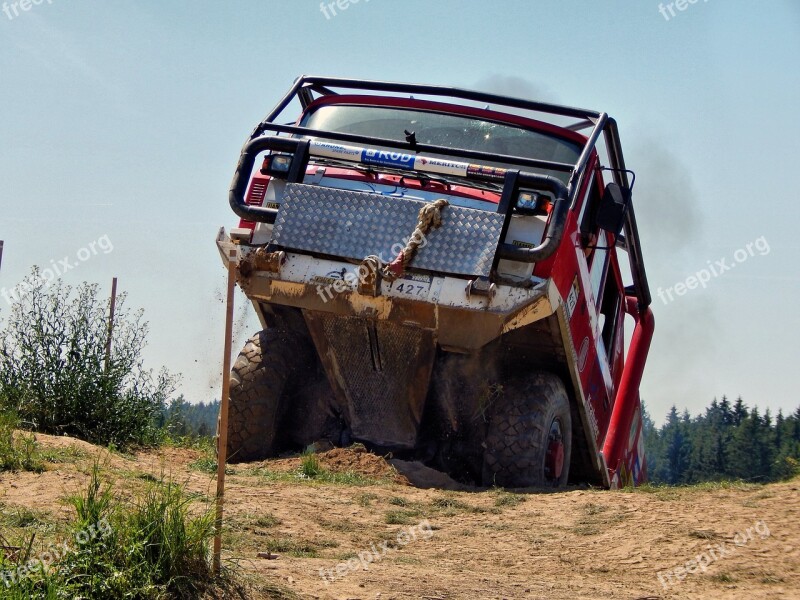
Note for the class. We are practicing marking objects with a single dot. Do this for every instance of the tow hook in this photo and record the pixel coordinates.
(369, 279)
(261, 260)
(481, 287)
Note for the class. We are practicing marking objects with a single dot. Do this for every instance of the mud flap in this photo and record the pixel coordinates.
(380, 372)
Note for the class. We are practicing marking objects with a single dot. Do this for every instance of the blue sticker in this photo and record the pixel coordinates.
(387, 159)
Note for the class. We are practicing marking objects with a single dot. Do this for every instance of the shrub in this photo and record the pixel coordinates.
(53, 370)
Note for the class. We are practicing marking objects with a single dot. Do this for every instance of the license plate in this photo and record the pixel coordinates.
(413, 286)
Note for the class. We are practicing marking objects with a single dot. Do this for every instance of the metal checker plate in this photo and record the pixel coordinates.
(354, 225)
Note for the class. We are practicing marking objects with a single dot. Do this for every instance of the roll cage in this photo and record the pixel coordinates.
(308, 89)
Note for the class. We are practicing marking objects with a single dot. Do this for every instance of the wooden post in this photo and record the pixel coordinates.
(222, 438)
(111, 321)
(1, 253)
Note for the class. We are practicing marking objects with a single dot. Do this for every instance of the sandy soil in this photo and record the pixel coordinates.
(435, 544)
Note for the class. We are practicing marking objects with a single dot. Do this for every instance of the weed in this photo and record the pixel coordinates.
(293, 547)
(450, 506)
(509, 500)
(267, 521)
(18, 450)
(366, 499)
(339, 526)
(310, 467)
(400, 517)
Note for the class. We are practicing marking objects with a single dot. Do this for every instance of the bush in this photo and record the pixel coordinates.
(53, 370)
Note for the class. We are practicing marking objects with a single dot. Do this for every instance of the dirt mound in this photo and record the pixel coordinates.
(358, 460)
(62, 442)
(354, 459)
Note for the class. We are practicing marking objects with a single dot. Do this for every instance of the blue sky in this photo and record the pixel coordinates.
(125, 120)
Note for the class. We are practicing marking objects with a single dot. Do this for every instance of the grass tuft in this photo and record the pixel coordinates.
(509, 500)
(18, 450)
(310, 467)
(153, 547)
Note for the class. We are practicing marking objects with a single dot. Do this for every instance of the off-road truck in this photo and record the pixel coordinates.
(440, 274)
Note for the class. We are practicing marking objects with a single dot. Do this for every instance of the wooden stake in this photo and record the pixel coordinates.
(222, 438)
(111, 321)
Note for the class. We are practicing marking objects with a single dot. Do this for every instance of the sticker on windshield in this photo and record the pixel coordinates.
(387, 159)
(438, 165)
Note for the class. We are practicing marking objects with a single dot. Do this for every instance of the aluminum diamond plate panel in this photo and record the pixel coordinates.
(354, 225)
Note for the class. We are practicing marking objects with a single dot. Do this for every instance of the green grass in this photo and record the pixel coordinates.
(298, 548)
(310, 467)
(366, 499)
(68, 455)
(509, 500)
(401, 517)
(309, 474)
(340, 526)
(190, 442)
(24, 518)
(670, 492)
(18, 452)
(267, 521)
(450, 506)
(208, 464)
(154, 546)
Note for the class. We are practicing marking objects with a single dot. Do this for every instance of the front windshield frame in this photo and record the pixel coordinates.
(543, 145)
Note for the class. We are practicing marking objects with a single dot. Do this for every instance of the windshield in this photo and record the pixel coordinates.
(452, 131)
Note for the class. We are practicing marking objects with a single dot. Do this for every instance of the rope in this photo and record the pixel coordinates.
(430, 217)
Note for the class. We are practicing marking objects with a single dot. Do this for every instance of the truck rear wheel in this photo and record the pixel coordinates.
(529, 439)
(258, 401)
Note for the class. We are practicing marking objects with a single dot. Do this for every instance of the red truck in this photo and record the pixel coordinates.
(445, 275)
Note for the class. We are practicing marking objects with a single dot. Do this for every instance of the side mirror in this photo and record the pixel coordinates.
(613, 208)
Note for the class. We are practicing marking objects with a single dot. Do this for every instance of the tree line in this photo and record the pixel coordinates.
(728, 441)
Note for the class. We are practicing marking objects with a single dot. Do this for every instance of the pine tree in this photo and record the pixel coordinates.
(739, 412)
(677, 448)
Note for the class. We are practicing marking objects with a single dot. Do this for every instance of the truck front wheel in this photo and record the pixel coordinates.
(258, 397)
(529, 438)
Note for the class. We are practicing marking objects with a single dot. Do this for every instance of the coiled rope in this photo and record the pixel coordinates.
(430, 217)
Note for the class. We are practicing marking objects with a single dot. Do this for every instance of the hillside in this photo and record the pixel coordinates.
(579, 543)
